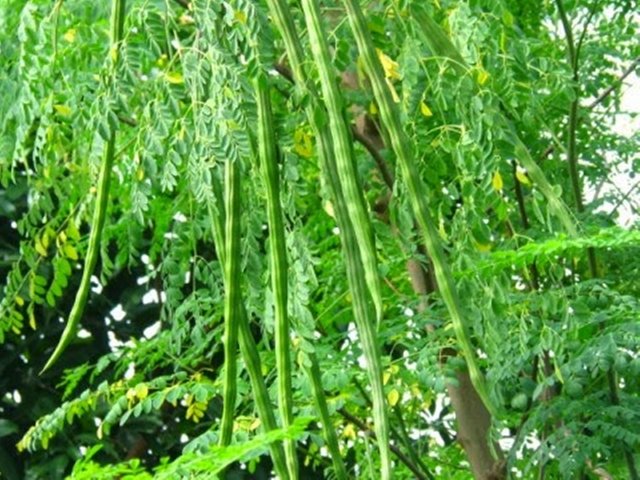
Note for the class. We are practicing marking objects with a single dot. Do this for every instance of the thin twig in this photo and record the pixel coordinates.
(630, 69)
(592, 12)
(397, 452)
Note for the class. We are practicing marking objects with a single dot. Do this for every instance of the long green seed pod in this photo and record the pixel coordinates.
(232, 298)
(364, 316)
(261, 394)
(343, 149)
(320, 400)
(249, 351)
(278, 259)
(100, 209)
(403, 148)
(441, 45)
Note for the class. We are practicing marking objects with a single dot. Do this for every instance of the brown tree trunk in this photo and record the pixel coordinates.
(473, 421)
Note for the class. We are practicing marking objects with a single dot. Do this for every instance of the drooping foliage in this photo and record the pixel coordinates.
(319, 239)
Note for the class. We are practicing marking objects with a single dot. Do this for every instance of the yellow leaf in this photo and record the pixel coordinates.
(40, 248)
(373, 110)
(302, 143)
(72, 230)
(255, 424)
(425, 110)
(385, 377)
(174, 78)
(70, 251)
(349, 431)
(243, 422)
(162, 60)
(70, 35)
(140, 174)
(390, 66)
(32, 317)
(497, 182)
(142, 391)
(19, 300)
(484, 248)
(415, 391)
(240, 16)
(442, 231)
(393, 396)
(522, 177)
(186, 19)
(328, 207)
(482, 76)
(131, 395)
(63, 110)
(394, 94)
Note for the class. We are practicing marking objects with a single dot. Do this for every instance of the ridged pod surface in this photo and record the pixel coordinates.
(403, 148)
(268, 160)
(249, 349)
(102, 200)
(232, 297)
(364, 314)
(342, 144)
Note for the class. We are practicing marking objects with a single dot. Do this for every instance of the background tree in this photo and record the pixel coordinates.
(376, 239)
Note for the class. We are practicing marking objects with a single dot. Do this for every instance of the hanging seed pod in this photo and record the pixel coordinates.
(268, 160)
(403, 148)
(102, 200)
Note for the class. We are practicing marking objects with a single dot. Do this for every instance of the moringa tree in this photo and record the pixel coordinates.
(318, 239)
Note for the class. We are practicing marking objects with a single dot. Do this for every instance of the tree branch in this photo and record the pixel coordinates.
(605, 93)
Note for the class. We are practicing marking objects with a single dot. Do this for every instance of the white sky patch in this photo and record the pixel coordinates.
(152, 330)
(411, 366)
(352, 332)
(115, 344)
(84, 333)
(626, 123)
(175, 43)
(131, 371)
(96, 286)
(362, 362)
(180, 217)
(151, 296)
(118, 313)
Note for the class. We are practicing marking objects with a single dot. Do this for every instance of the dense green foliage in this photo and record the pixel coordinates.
(319, 239)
